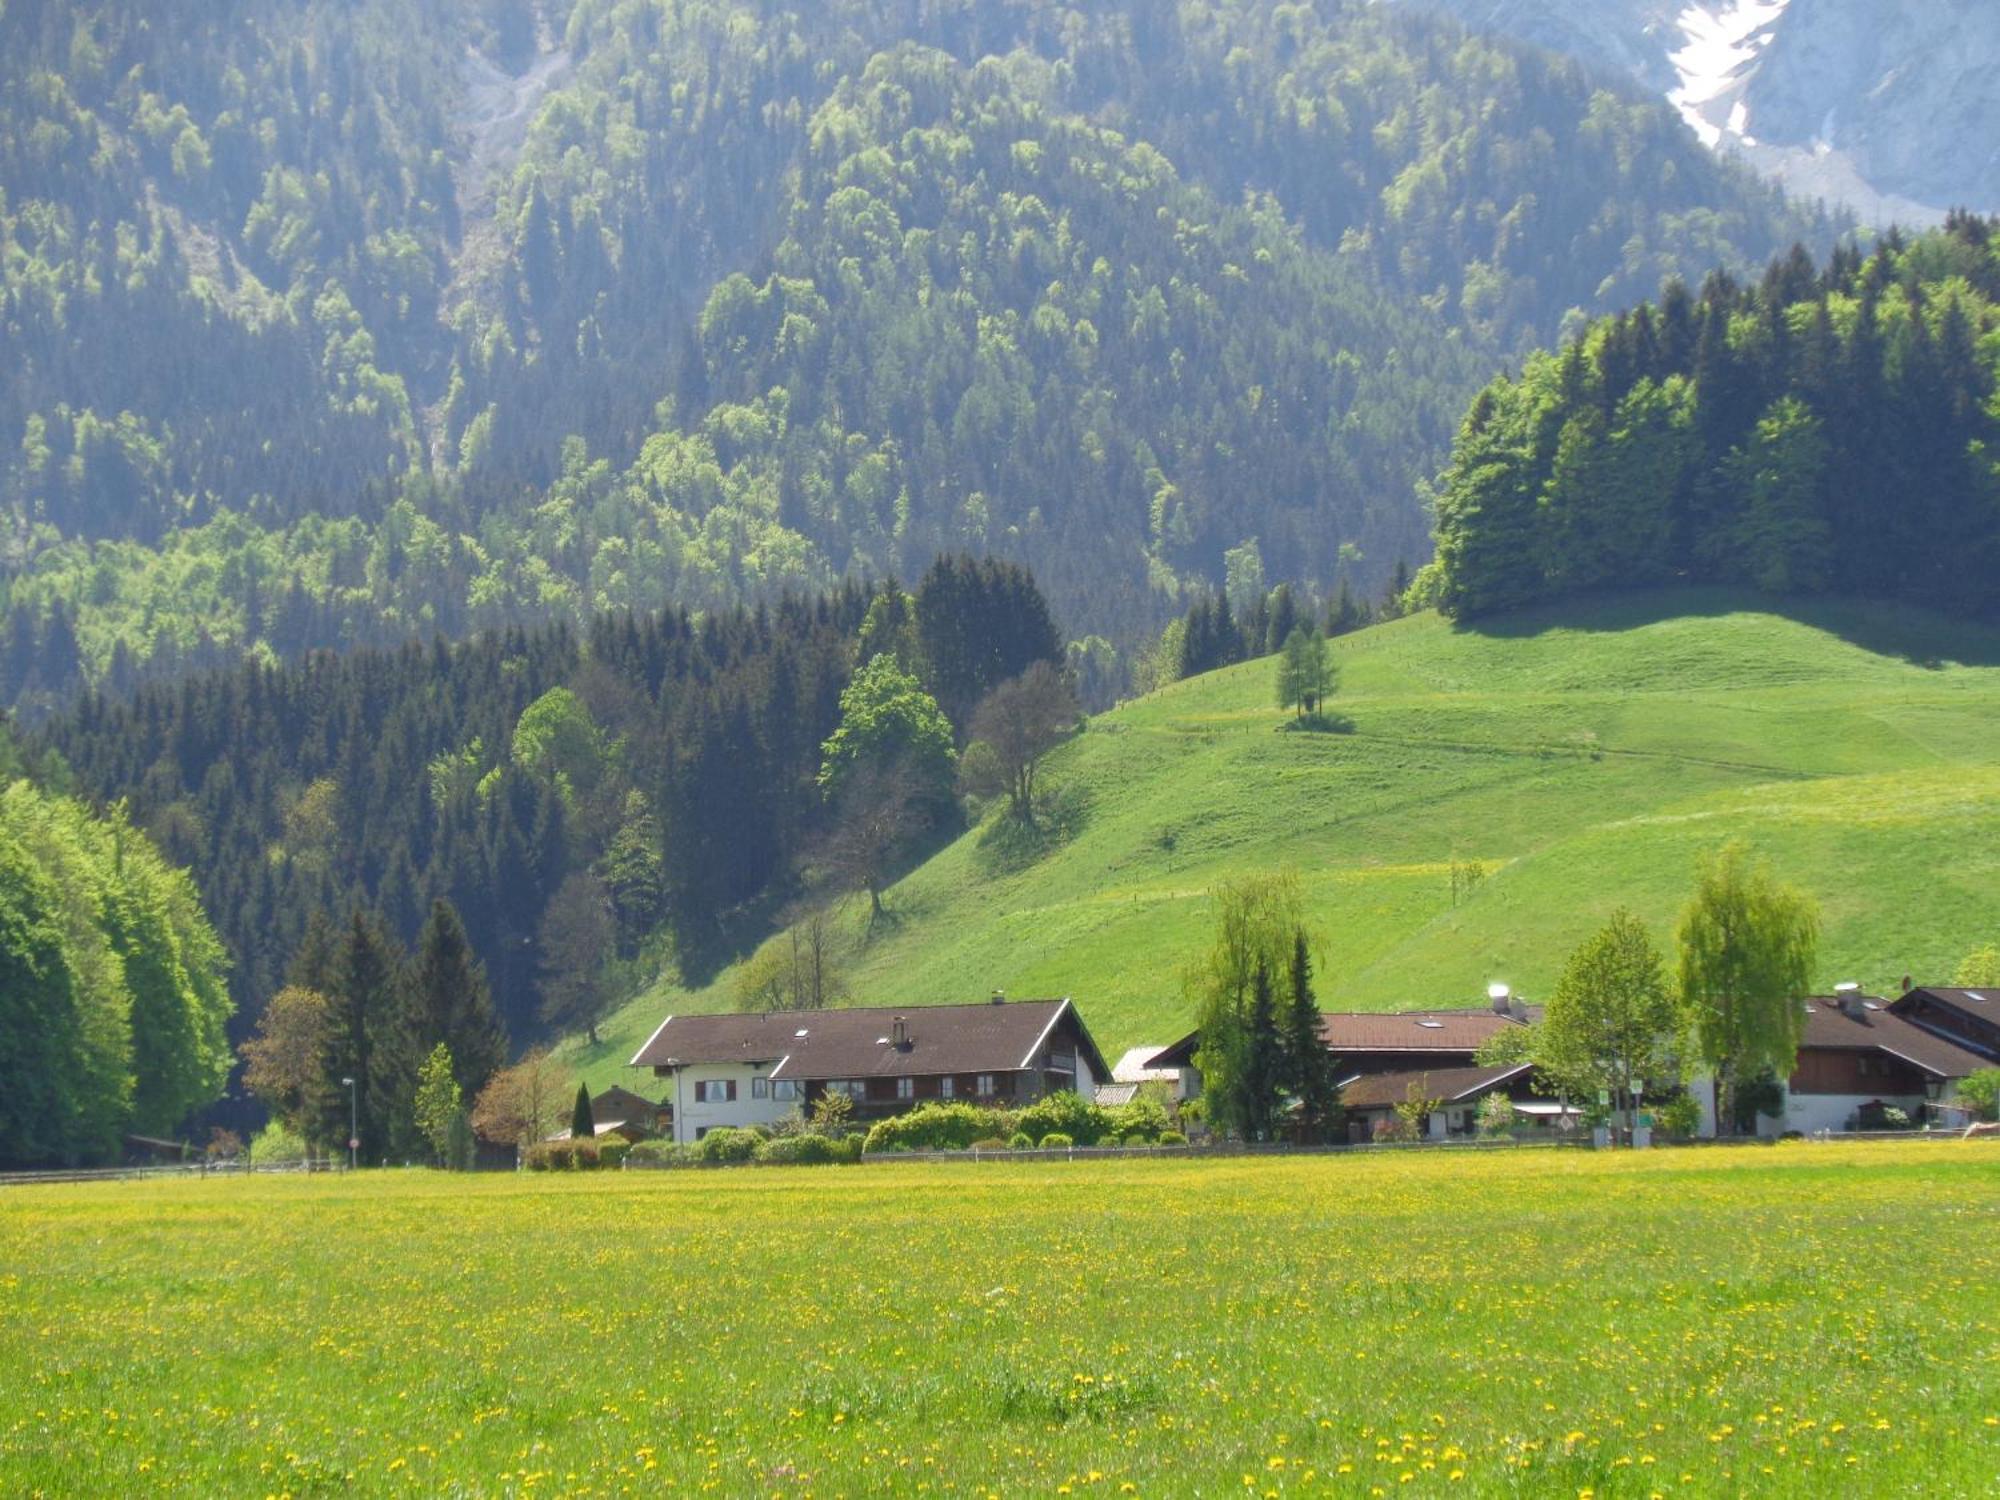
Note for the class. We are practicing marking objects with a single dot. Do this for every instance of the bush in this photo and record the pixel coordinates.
(1056, 1140)
(940, 1126)
(727, 1145)
(1138, 1123)
(1070, 1114)
(1021, 1141)
(1980, 1092)
(1679, 1118)
(612, 1151)
(802, 1151)
(991, 1143)
(1172, 1138)
(275, 1145)
(561, 1156)
(661, 1154)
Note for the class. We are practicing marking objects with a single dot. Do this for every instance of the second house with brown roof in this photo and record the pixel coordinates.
(744, 1070)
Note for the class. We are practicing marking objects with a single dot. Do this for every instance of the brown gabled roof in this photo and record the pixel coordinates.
(1872, 1026)
(1348, 1032)
(819, 1044)
(1414, 1030)
(619, 1102)
(1983, 1003)
(1452, 1085)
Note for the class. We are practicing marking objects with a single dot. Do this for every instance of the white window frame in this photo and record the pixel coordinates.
(984, 1086)
(948, 1087)
(785, 1089)
(906, 1088)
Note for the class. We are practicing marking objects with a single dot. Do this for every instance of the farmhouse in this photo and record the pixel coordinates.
(1971, 1018)
(620, 1112)
(755, 1069)
(1859, 1058)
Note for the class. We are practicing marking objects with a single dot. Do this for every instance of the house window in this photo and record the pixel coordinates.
(784, 1088)
(854, 1088)
(983, 1086)
(1867, 1066)
(948, 1088)
(760, 1088)
(906, 1088)
(716, 1090)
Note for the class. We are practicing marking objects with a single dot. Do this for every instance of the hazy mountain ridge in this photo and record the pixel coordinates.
(1885, 109)
(315, 351)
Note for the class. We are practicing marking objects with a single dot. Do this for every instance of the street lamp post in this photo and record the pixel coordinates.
(353, 1124)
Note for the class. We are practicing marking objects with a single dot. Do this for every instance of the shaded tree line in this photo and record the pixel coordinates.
(579, 802)
(1825, 429)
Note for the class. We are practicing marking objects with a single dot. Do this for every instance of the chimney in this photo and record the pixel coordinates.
(1849, 995)
(1499, 995)
(999, 997)
(899, 1035)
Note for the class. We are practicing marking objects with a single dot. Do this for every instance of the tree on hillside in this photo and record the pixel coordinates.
(1304, 677)
(797, 969)
(451, 1006)
(980, 622)
(524, 1103)
(1019, 722)
(887, 773)
(1747, 946)
(1310, 1071)
(578, 935)
(634, 875)
(1612, 1022)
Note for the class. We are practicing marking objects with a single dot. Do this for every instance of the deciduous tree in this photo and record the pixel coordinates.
(1747, 946)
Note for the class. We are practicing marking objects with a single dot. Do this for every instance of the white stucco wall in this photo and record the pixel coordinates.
(691, 1118)
(1812, 1113)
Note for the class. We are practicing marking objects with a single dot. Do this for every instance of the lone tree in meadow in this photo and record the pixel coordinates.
(1304, 677)
(1747, 947)
(1612, 1022)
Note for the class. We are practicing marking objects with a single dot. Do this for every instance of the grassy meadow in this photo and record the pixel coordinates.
(1582, 758)
(1801, 1320)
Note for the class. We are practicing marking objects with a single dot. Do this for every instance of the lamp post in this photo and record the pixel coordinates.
(353, 1124)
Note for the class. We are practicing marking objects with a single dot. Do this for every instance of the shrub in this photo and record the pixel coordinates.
(1140, 1122)
(1394, 1128)
(801, 1151)
(940, 1126)
(1679, 1118)
(850, 1148)
(1496, 1116)
(1067, 1113)
(561, 1156)
(1980, 1092)
(611, 1153)
(1172, 1138)
(991, 1143)
(1021, 1141)
(1056, 1140)
(660, 1154)
(727, 1144)
(274, 1144)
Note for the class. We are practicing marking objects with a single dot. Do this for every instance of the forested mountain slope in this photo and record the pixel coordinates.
(1500, 790)
(335, 322)
(1822, 430)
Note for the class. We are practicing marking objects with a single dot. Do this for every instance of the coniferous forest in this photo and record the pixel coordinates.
(628, 795)
(1820, 429)
(476, 314)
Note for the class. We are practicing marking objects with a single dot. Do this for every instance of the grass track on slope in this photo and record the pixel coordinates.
(1584, 757)
(1727, 1321)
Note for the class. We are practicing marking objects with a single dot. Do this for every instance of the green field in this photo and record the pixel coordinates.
(1584, 758)
(1808, 1319)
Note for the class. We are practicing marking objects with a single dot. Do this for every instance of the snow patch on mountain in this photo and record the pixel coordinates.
(1719, 51)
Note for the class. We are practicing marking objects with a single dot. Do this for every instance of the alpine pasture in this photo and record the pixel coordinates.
(1578, 759)
(1528, 1322)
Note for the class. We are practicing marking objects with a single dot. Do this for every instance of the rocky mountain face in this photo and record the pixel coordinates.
(1884, 108)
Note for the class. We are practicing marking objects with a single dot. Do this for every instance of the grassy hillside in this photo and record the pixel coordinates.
(1583, 759)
